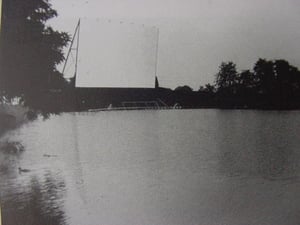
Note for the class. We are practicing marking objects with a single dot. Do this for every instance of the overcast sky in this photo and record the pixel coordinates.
(197, 35)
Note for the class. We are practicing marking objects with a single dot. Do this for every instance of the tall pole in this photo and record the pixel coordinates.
(156, 57)
(71, 45)
(77, 49)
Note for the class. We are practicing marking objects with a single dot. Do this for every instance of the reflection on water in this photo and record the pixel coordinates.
(36, 203)
(154, 167)
(29, 198)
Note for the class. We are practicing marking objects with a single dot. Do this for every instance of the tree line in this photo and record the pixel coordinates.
(271, 84)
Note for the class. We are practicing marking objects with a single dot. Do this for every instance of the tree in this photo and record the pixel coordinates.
(287, 81)
(246, 79)
(30, 51)
(282, 71)
(265, 75)
(227, 75)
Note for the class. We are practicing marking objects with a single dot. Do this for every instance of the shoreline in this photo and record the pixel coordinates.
(13, 116)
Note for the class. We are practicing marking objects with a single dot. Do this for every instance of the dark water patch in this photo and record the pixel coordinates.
(36, 202)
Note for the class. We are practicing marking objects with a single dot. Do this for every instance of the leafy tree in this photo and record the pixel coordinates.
(246, 79)
(29, 53)
(287, 81)
(265, 75)
(282, 71)
(227, 75)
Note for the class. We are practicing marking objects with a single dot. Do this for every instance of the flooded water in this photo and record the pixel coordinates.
(185, 167)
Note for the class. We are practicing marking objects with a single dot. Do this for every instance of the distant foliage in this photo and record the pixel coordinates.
(184, 89)
(246, 79)
(208, 88)
(271, 84)
(30, 51)
(227, 75)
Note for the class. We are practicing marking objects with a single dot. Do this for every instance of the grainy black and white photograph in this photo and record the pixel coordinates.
(150, 112)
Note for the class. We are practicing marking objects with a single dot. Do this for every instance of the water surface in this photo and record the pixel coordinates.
(154, 167)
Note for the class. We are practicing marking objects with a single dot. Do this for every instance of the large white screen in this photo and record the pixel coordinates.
(116, 54)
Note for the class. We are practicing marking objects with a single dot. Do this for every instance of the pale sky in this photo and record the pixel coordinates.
(197, 35)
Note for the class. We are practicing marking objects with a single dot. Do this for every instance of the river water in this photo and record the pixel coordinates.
(172, 167)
